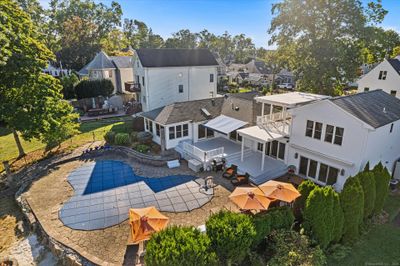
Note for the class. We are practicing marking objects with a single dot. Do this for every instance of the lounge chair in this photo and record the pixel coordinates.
(241, 179)
(230, 172)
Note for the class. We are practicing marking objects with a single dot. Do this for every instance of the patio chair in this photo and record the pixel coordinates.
(230, 172)
(241, 179)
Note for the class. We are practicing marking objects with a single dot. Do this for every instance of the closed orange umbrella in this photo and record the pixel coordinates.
(250, 198)
(280, 190)
(144, 222)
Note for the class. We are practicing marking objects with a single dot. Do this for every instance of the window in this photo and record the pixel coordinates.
(239, 138)
(312, 171)
(332, 175)
(323, 172)
(158, 128)
(210, 133)
(309, 128)
(274, 148)
(391, 128)
(179, 131)
(281, 154)
(110, 73)
(143, 81)
(338, 136)
(393, 93)
(150, 126)
(185, 130)
(260, 146)
(382, 75)
(366, 89)
(268, 148)
(303, 166)
(233, 135)
(180, 88)
(171, 132)
(201, 132)
(317, 130)
(329, 133)
(211, 77)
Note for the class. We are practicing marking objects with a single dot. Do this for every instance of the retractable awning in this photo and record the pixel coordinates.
(225, 124)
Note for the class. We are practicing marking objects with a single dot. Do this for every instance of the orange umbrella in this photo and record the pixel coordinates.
(250, 198)
(280, 190)
(144, 222)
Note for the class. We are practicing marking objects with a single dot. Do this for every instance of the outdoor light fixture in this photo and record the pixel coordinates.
(296, 155)
(342, 172)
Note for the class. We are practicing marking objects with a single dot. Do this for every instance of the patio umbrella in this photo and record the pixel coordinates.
(144, 222)
(250, 198)
(280, 191)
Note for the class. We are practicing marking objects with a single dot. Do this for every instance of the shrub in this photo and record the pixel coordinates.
(122, 139)
(68, 83)
(305, 189)
(231, 235)
(291, 248)
(323, 218)
(134, 136)
(109, 137)
(382, 179)
(367, 181)
(264, 223)
(179, 246)
(143, 148)
(352, 201)
(93, 88)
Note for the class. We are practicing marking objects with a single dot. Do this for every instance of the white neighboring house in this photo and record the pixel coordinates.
(56, 71)
(166, 76)
(333, 139)
(385, 76)
(118, 69)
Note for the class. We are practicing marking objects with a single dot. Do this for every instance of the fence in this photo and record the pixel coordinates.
(203, 156)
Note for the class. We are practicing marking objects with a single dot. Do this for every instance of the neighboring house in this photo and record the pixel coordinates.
(118, 69)
(166, 76)
(257, 80)
(333, 139)
(238, 77)
(257, 67)
(56, 70)
(237, 67)
(385, 76)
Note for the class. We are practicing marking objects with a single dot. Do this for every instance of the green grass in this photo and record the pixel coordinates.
(90, 131)
(380, 246)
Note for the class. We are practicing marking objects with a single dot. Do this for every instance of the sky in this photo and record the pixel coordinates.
(251, 17)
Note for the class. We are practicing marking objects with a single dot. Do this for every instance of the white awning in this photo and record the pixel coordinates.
(225, 124)
(259, 134)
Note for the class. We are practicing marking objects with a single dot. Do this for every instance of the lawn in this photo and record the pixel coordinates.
(380, 246)
(90, 131)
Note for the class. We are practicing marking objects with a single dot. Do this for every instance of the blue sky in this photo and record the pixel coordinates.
(251, 17)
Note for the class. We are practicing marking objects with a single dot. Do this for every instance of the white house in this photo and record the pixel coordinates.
(385, 76)
(118, 69)
(166, 76)
(56, 70)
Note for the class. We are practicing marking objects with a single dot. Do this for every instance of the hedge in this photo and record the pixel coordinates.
(179, 246)
(367, 181)
(231, 236)
(122, 139)
(109, 137)
(382, 179)
(305, 189)
(94, 88)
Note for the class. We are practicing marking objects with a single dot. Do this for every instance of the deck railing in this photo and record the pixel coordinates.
(203, 156)
(275, 122)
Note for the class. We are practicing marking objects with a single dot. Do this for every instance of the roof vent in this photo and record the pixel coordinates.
(384, 110)
(205, 112)
(213, 102)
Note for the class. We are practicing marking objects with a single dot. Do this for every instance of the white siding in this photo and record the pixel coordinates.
(371, 79)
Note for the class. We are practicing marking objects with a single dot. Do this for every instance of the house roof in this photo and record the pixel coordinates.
(261, 67)
(100, 61)
(122, 61)
(291, 99)
(176, 57)
(376, 108)
(395, 64)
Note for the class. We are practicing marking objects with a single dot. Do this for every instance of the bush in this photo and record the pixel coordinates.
(323, 216)
(134, 136)
(367, 181)
(93, 88)
(382, 179)
(68, 83)
(352, 201)
(109, 137)
(305, 189)
(231, 236)
(291, 248)
(276, 218)
(122, 139)
(179, 246)
(143, 148)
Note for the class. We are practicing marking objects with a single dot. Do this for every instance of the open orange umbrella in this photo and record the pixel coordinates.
(280, 190)
(144, 222)
(250, 198)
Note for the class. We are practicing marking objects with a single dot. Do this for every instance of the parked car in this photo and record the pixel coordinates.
(286, 86)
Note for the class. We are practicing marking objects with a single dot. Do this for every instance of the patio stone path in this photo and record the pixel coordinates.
(105, 191)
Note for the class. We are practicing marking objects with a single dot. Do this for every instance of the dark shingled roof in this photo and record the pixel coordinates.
(395, 64)
(122, 61)
(376, 108)
(176, 57)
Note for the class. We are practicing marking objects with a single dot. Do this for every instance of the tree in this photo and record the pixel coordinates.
(367, 181)
(243, 48)
(396, 51)
(382, 179)
(231, 236)
(378, 43)
(31, 102)
(179, 246)
(182, 39)
(305, 189)
(324, 41)
(140, 36)
(352, 201)
(68, 84)
(94, 88)
(114, 43)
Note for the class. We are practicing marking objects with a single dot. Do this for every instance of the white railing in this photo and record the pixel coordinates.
(276, 122)
(203, 156)
(273, 117)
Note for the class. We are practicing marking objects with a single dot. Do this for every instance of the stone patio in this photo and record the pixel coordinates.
(107, 246)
